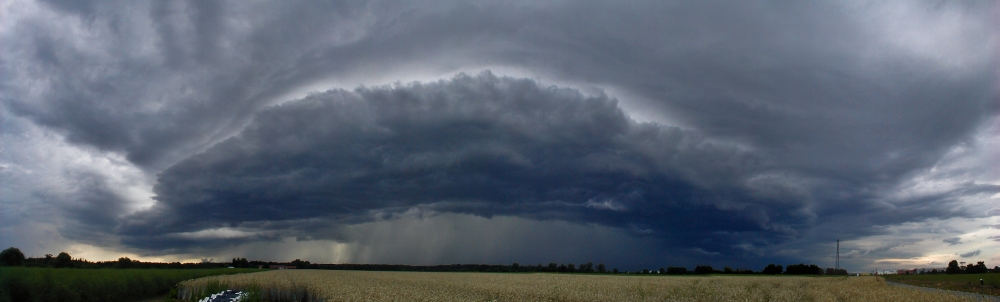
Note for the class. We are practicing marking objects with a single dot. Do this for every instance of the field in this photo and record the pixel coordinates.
(82, 285)
(959, 282)
(315, 285)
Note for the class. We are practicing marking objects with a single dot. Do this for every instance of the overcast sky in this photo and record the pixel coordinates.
(635, 134)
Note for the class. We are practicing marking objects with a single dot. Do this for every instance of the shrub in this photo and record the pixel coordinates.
(772, 269)
(11, 257)
(703, 269)
(674, 270)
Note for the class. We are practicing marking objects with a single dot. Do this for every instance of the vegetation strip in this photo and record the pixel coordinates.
(85, 285)
(978, 297)
(983, 283)
(327, 285)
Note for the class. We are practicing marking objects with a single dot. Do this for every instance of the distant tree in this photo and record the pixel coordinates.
(833, 271)
(615, 271)
(553, 267)
(63, 260)
(645, 271)
(996, 269)
(11, 257)
(803, 269)
(570, 268)
(601, 268)
(953, 267)
(772, 269)
(515, 267)
(124, 262)
(978, 268)
(241, 263)
(562, 268)
(815, 270)
(662, 270)
(300, 264)
(703, 269)
(727, 270)
(675, 270)
(587, 267)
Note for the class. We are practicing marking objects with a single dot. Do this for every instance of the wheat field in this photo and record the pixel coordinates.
(323, 285)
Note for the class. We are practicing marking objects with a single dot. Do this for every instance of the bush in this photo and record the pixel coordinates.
(803, 269)
(63, 260)
(11, 257)
(772, 269)
(703, 269)
(674, 270)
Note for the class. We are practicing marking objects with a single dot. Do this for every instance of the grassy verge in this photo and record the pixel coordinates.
(960, 282)
(83, 285)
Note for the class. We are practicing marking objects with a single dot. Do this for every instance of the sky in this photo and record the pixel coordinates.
(636, 134)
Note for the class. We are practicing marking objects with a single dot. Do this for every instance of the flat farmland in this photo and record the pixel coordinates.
(323, 285)
(961, 282)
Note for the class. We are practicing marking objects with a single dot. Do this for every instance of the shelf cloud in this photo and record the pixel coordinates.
(731, 134)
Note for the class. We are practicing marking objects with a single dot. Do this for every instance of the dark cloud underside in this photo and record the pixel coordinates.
(482, 145)
(775, 125)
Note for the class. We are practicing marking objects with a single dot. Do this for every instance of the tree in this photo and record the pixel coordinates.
(615, 271)
(515, 267)
(63, 260)
(978, 268)
(124, 262)
(772, 269)
(11, 257)
(953, 267)
(703, 269)
(833, 271)
(675, 270)
(242, 263)
(601, 268)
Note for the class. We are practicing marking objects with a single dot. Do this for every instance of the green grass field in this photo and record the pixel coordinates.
(81, 285)
(959, 282)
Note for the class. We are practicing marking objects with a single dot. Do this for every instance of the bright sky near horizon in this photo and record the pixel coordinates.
(635, 134)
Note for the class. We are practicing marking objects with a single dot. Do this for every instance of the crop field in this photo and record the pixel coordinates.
(22, 284)
(960, 282)
(317, 285)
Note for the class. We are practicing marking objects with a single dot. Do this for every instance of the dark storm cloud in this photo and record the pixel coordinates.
(160, 86)
(481, 145)
(800, 119)
(812, 82)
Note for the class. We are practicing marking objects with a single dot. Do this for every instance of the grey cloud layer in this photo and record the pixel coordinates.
(747, 71)
(482, 145)
(801, 118)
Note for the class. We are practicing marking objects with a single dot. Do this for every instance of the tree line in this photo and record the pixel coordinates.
(978, 268)
(14, 257)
